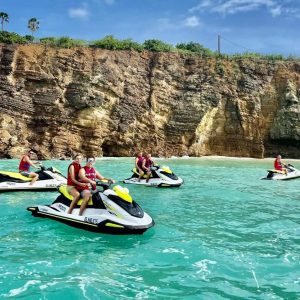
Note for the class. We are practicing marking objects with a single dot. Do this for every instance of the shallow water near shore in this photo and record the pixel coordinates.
(224, 234)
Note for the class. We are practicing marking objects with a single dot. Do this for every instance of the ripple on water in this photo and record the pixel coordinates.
(224, 234)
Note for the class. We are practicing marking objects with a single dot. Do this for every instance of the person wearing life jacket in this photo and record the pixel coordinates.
(278, 164)
(147, 164)
(139, 164)
(73, 181)
(88, 174)
(25, 164)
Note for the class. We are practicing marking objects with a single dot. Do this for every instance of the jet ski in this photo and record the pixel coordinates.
(108, 211)
(49, 179)
(160, 177)
(292, 173)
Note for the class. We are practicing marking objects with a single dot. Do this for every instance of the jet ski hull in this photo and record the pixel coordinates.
(160, 177)
(280, 175)
(89, 223)
(50, 180)
(153, 182)
(37, 186)
(289, 176)
(110, 211)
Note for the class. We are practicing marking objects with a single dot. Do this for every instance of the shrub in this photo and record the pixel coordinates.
(11, 37)
(29, 38)
(49, 41)
(157, 46)
(194, 47)
(108, 42)
(66, 42)
(111, 43)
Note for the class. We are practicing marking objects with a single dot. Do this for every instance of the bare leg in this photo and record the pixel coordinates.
(34, 177)
(86, 198)
(76, 197)
(148, 176)
(141, 175)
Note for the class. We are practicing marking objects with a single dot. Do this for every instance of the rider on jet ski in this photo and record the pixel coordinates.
(24, 167)
(147, 164)
(139, 164)
(88, 174)
(73, 181)
(278, 164)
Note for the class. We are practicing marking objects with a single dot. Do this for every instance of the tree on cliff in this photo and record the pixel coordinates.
(33, 25)
(4, 18)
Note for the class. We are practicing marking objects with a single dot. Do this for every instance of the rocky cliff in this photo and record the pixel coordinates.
(114, 103)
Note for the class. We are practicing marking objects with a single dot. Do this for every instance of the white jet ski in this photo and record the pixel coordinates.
(292, 173)
(160, 177)
(49, 179)
(109, 211)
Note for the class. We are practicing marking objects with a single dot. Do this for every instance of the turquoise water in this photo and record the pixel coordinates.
(224, 234)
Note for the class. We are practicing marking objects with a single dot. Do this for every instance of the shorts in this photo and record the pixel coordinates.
(83, 192)
(25, 173)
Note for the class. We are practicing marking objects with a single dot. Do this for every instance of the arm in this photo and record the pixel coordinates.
(136, 163)
(72, 175)
(82, 176)
(30, 162)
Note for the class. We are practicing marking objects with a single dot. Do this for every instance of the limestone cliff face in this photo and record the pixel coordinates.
(115, 103)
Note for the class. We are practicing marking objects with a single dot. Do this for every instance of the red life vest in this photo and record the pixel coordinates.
(24, 165)
(90, 173)
(77, 167)
(277, 165)
(140, 161)
(148, 162)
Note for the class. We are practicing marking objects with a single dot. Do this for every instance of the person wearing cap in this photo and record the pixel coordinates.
(89, 174)
(25, 164)
(73, 181)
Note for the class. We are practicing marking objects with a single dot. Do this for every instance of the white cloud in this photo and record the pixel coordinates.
(192, 21)
(78, 13)
(276, 11)
(275, 7)
(234, 6)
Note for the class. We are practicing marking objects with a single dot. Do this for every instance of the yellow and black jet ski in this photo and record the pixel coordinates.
(108, 211)
(161, 176)
(49, 179)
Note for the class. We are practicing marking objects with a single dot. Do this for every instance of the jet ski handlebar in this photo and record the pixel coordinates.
(104, 185)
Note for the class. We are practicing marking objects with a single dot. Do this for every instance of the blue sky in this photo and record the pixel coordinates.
(265, 26)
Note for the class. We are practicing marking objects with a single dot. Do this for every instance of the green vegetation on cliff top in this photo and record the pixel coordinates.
(111, 43)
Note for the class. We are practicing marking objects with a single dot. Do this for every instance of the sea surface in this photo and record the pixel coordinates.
(224, 234)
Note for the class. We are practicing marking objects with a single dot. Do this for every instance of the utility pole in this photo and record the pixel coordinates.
(219, 44)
